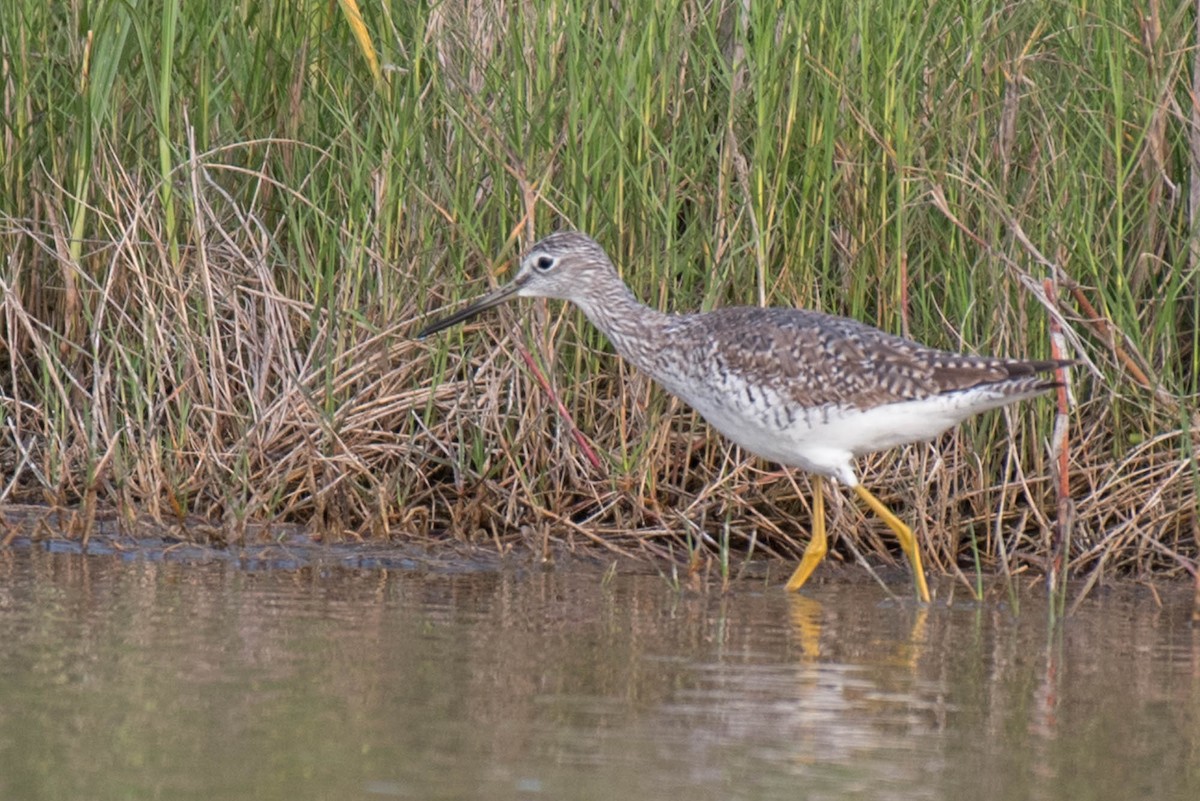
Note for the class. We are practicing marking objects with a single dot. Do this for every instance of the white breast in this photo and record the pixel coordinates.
(826, 440)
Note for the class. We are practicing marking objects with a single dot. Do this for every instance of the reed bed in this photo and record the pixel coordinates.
(220, 225)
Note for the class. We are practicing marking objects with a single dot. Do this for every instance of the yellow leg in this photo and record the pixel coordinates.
(817, 545)
(908, 543)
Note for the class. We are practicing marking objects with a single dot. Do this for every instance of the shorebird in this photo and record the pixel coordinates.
(801, 388)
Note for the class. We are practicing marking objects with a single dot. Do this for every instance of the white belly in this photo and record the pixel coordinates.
(826, 440)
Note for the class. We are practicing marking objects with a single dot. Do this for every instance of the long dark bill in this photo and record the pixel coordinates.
(483, 304)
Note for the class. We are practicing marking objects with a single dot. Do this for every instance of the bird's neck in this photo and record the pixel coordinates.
(633, 327)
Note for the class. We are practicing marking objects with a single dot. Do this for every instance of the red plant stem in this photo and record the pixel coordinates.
(1060, 447)
(576, 434)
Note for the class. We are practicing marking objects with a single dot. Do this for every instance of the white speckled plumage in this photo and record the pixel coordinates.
(798, 387)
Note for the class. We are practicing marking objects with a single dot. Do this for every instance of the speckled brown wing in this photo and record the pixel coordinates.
(819, 360)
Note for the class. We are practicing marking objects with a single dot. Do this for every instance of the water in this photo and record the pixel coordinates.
(140, 679)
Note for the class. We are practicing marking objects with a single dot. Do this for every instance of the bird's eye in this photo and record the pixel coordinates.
(544, 263)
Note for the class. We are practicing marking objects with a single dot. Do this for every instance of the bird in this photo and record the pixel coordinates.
(798, 387)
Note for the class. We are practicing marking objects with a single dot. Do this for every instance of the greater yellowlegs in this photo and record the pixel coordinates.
(798, 387)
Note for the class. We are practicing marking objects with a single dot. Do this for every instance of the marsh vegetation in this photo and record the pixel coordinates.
(221, 223)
